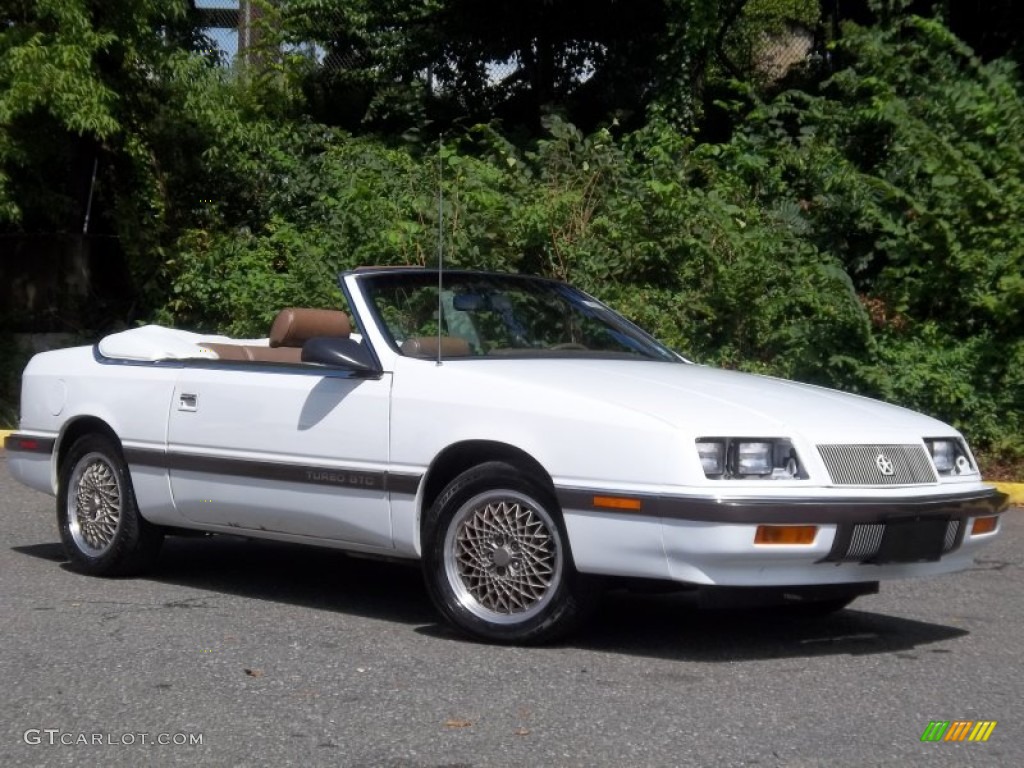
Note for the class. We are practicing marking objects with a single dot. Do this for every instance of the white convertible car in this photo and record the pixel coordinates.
(514, 434)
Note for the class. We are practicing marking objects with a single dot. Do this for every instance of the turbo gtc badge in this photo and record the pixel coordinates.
(884, 465)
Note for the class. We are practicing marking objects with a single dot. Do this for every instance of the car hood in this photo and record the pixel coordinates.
(711, 402)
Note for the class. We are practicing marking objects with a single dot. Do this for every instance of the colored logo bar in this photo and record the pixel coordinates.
(958, 730)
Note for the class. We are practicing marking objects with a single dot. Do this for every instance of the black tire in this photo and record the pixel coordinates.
(514, 582)
(97, 516)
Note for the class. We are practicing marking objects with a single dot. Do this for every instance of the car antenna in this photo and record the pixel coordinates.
(440, 242)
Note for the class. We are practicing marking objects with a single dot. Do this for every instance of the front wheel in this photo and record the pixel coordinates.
(497, 561)
(99, 521)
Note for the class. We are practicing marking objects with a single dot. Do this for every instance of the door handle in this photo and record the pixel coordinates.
(187, 402)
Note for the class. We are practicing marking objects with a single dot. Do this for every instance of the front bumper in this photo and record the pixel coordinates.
(703, 540)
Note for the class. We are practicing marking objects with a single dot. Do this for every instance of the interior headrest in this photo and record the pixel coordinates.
(426, 346)
(294, 326)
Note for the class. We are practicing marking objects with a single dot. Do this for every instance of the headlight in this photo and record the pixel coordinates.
(950, 456)
(943, 455)
(732, 458)
(712, 456)
(753, 458)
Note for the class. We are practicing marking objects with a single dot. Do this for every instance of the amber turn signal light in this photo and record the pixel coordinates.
(785, 534)
(984, 525)
(617, 502)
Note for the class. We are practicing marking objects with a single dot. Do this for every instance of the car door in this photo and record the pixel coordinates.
(288, 449)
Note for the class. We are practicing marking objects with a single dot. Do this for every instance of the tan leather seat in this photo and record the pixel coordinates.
(229, 351)
(293, 327)
(250, 353)
(426, 346)
(275, 354)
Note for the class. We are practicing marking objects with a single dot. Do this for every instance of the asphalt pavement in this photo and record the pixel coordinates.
(235, 652)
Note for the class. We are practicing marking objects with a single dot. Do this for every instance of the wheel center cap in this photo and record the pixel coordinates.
(502, 557)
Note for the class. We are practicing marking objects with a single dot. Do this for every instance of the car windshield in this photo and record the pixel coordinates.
(494, 315)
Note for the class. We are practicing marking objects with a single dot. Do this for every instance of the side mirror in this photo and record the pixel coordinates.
(339, 352)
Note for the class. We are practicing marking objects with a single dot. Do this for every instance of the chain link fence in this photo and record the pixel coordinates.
(219, 21)
(768, 57)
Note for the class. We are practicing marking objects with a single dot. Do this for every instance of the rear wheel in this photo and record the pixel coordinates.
(497, 561)
(99, 521)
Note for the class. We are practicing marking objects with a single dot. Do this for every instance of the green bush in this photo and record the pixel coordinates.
(866, 236)
(661, 232)
(908, 166)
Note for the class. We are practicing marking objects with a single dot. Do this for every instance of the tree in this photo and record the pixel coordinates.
(594, 61)
(109, 106)
(81, 83)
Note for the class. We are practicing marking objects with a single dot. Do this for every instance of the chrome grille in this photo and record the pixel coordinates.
(867, 464)
(860, 542)
(865, 541)
(952, 529)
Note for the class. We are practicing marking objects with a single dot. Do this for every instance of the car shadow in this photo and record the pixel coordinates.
(675, 626)
(310, 577)
(666, 626)
(52, 551)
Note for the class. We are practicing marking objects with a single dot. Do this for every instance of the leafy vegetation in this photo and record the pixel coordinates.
(861, 231)
(908, 166)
